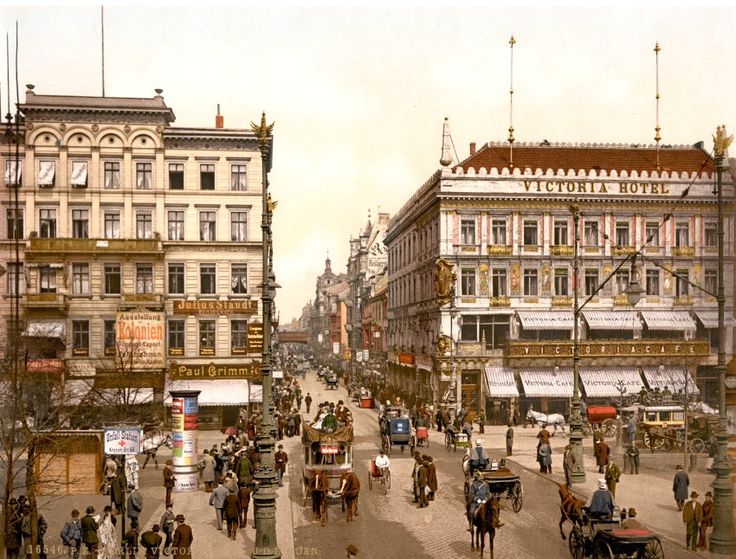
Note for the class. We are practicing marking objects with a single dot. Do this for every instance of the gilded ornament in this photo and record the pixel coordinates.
(721, 141)
(271, 203)
(126, 128)
(29, 126)
(62, 127)
(444, 279)
(262, 131)
(443, 344)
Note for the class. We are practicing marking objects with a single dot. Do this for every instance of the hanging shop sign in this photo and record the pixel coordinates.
(122, 441)
(230, 306)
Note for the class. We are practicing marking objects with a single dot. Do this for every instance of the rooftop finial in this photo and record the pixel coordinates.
(512, 42)
(446, 158)
(657, 129)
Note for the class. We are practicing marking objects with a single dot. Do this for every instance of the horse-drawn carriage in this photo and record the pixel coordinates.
(455, 440)
(379, 476)
(501, 481)
(606, 538)
(331, 381)
(604, 416)
(396, 429)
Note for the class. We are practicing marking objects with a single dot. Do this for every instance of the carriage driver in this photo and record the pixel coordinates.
(478, 494)
(600, 504)
(478, 458)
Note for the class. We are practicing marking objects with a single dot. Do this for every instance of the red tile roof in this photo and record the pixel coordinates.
(590, 157)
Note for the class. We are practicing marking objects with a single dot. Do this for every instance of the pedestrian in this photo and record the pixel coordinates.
(481, 422)
(130, 543)
(692, 515)
(568, 464)
(169, 480)
(308, 401)
(41, 527)
(207, 468)
(107, 535)
(544, 457)
(71, 535)
(231, 511)
(183, 538)
(415, 476)
(281, 459)
(631, 429)
(217, 500)
(230, 482)
(117, 493)
(167, 525)
(151, 542)
(25, 526)
(680, 486)
(509, 439)
(432, 478)
(135, 505)
(707, 521)
(244, 469)
(631, 523)
(13, 535)
(244, 496)
(111, 471)
(422, 482)
(543, 437)
(612, 477)
(90, 538)
(602, 455)
(632, 455)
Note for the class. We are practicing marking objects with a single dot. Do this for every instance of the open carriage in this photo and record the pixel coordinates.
(502, 482)
(606, 539)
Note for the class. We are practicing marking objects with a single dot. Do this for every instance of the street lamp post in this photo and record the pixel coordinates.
(264, 498)
(576, 425)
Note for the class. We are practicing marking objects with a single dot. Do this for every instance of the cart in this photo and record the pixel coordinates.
(607, 539)
(502, 482)
(605, 416)
(398, 432)
(379, 475)
(331, 381)
(422, 435)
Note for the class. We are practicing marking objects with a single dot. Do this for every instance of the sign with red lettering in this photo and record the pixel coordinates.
(140, 339)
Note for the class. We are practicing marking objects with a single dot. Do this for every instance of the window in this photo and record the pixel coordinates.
(238, 226)
(144, 224)
(78, 177)
(14, 221)
(111, 224)
(467, 281)
(176, 279)
(711, 234)
(207, 176)
(467, 231)
(143, 176)
(80, 279)
(710, 282)
(176, 225)
(652, 231)
(682, 235)
(80, 224)
(176, 176)
(493, 329)
(562, 282)
(110, 345)
(112, 279)
(237, 177)
(46, 279)
(682, 289)
(176, 337)
(530, 282)
(498, 231)
(652, 280)
(622, 281)
(207, 285)
(591, 281)
(111, 178)
(80, 337)
(16, 272)
(590, 233)
(46, 173)
(144, 278)
(239, 278)
(238, 336)
(13, 171)
(207, 226)
(499, 283)
(622, 234)
(530, 233)
(47, 223)
(560, 232)
(206, 337)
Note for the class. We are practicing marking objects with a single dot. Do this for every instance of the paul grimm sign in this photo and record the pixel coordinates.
(637, 348)
(214, 372)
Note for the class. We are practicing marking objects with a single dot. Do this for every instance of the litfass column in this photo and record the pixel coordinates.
(185, 422)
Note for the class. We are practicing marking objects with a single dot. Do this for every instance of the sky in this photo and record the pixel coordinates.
(359, 91)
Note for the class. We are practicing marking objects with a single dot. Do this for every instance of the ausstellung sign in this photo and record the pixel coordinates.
(140, 333)
(636, 348)
(213, 372)
(231, 306)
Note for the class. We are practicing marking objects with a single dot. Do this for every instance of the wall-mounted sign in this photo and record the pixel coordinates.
(212, 371)
(231, 306)
(613, 348)
(347, 354)
(255, 337)
(140, 339)
(45, 366)
(406, 358)
(122, 441)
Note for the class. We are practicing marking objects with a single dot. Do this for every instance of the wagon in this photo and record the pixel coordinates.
(398, 432)
(606, 539)
(605, 416)
(502, 482)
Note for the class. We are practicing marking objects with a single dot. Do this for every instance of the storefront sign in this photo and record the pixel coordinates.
(45, 366)
(198, 308)
(213, 372)
(140, 339)
(122, 441)
(613, 348)
(255, 337)
(335, 347)
(406, 358)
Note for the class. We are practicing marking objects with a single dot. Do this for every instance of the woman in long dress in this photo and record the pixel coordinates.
(108, 537)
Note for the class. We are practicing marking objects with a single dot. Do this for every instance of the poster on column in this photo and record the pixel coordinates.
(189, 448)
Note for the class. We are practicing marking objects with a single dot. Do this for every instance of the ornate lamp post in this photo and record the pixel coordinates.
(576, 424)
(264, 498)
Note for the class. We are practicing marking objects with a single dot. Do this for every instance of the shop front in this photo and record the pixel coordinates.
(502, 394)
(609, 385)
(546, 389)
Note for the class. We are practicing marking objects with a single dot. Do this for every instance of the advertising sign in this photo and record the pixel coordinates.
(336, 347)
(185, 421)
(122, 441)
(255, 337)
(211, 371)
(220, 308)
(140, 338)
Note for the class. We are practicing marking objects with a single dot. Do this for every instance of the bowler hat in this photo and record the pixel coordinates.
(693, 494)
(179, 518)
(90, 509)
(708, 494)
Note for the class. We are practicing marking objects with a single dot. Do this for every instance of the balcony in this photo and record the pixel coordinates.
(500, 250)
(468, 249)
(47, 301)
(683, 301)
(530, 248)
(562, 250)
(561, 301)
(624, 250)
(102, 247)
(500, 302)
(683, 251)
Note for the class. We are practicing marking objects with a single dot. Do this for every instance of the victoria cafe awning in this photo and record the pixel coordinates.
(547, 382)
(709, 318)
(500, 383)
(546, 320)
(668, 320)
(612, 320)
(607, 382)
(676, 379)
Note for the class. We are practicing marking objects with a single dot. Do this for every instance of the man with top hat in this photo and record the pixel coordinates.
(600, 504)
(692, 516)
(183, 538)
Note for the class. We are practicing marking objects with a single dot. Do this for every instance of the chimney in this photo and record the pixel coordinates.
(219, 119)
(472, 148)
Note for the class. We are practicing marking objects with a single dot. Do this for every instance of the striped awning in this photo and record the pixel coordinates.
(709, 318)
(546, 320)
(668, 320)
(612, 320)
(501, 383)
(226, 392)
(675, 379)
(546, 382)
(606, 382)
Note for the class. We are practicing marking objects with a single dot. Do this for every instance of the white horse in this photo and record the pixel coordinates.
(543, 419)
(151, 443)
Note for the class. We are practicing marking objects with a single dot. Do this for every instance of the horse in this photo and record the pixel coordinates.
(318, 488)
(543, 419)
(571, 508)
(152, 443)
(485, 522)
(350, 489)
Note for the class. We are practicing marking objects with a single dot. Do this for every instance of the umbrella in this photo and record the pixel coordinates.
(230, 431)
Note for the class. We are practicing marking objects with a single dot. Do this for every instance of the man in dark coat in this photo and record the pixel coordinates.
(89, 533)
(308, 401)
(680, 485)
(281, 459)
(151, 542)
(13, 537)
(244, 469)
(168, 480)
(135, 505)
(708, 513)
(167, 525)
(432, 478)
(509, 439)
(117, 493)
(568, 464)
(244, 496)
(71, 535)
(130, 543)
(231, 511)
(422, 482)
(602, 455)
(182, 545)
(692, 516)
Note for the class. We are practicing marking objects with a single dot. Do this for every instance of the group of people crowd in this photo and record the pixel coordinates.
(20, 526)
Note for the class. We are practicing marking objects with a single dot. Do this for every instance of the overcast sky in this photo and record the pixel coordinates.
(359, 93)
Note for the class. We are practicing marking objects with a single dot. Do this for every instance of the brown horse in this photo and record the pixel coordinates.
(485, 522)
(318, 488)
(571, 508)
(350, 489)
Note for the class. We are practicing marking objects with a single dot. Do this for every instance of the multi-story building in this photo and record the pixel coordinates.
(481, 283)
(131, 228)
(319, 323)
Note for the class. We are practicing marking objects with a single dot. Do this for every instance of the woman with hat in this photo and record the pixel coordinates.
(183, 538)
(601, 501)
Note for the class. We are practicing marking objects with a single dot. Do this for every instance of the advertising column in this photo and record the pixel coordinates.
(184, 420)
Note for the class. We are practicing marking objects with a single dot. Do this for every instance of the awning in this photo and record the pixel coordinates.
(46, 171)
(546, 320)
(709, 318)
(79, 173)
(604, 382)
(427, 368)
(668, 320)
(46, 329)
(544, 382)
(500, 383)
(611, 320)
(13, 172)
(673, 378)
(229, 392)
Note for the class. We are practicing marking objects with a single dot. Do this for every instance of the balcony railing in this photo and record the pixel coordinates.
(561, 301)
(683, 251)
(56, 301)
(684, 301)
(94, 246)
(562, 250)
(142, 300)
(623, 250)
(621, 301)
(500, 250)
(500, 302)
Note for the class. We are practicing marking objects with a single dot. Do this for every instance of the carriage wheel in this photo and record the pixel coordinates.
(387, 480)
(576, 543)
(609, 428)
(517, 497)
(653, 550)
(602, 550)
(697, 446)
(647, 439)
(370, 481)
